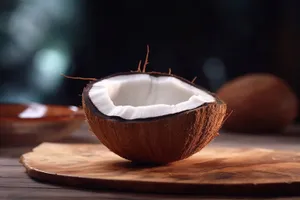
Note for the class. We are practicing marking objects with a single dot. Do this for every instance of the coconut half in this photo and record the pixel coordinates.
(152, 117)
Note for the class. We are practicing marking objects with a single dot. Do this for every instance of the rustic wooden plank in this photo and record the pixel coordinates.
(78, 194)
(221, 170)
(24, 183)
(9, 162)
(21, 187)
(50, 194)
(12, 172)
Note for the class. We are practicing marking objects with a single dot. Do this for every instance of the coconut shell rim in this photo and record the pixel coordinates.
(90, 105)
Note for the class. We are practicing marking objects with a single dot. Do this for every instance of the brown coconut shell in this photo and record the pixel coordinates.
(157, 140)
(260, 103)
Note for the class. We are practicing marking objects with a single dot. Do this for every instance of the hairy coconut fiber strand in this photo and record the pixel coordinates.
(158, 140)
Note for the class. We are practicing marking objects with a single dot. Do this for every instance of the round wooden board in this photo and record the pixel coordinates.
(230, 171)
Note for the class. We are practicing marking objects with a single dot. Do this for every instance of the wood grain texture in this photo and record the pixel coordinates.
(230, 171)
(69, 194)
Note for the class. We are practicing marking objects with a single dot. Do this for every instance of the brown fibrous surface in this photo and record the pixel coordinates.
(158, 140)
(259, 103)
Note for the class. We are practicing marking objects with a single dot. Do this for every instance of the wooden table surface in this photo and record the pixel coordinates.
(15, 184)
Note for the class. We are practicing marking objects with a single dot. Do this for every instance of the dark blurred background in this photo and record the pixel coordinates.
(215, 40)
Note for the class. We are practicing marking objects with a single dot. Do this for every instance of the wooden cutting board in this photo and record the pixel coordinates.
(230, 171)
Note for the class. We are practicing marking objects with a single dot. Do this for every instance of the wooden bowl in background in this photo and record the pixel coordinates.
(26, 124)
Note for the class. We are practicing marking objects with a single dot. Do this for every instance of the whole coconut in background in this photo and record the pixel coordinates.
(259, 103)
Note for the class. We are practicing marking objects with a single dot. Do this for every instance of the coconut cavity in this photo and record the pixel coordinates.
(139, 96)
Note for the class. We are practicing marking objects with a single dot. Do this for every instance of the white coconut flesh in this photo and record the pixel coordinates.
(140, 96)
